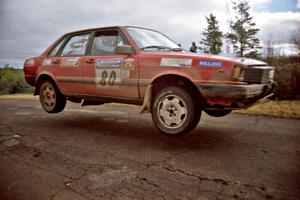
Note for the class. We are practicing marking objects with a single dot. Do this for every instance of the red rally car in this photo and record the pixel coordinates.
(144, 67)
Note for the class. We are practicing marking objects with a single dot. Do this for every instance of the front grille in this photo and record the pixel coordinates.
(263, 74)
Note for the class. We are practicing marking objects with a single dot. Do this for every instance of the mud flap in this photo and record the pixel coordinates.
(146, 107)
(36, 91)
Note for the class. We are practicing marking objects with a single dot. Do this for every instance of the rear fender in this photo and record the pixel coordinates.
(40, 78)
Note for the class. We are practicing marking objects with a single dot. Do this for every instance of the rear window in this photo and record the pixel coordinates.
(76, 45)
(55, 50)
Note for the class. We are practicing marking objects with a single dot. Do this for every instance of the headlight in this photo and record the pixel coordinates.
(29, 61)
(271, 74)
(238, 72)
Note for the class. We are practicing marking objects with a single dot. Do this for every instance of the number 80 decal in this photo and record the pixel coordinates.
(108, 78)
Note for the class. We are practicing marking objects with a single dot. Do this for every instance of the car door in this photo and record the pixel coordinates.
(52, 61)
(69, 73)
(107, 73)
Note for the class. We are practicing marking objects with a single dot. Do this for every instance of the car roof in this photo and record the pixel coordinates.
(104, 27)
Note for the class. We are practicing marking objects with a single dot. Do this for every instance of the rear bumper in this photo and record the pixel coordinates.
(234, 96)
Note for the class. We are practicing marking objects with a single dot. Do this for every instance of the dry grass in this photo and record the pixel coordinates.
(285, 109)
(19, 96)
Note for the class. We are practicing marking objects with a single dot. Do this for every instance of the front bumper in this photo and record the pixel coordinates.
(234, 96)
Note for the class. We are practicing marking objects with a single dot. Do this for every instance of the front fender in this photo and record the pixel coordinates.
(172, 73)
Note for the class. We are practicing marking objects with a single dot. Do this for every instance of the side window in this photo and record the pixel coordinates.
(54, 51)
(76, 45)
(105, 42)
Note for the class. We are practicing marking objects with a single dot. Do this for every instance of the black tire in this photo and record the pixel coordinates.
(217, 113)
(50, 97)
(175, 111)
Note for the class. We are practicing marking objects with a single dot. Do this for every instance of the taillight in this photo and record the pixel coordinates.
(30, 61)
(30, 68)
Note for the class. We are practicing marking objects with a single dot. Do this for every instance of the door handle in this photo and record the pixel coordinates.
(90, 61)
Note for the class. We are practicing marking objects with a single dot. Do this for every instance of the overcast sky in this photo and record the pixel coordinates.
(30, 26)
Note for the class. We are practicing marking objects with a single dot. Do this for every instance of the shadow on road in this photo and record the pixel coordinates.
(143, 131)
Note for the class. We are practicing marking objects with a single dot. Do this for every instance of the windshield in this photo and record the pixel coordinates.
(147, 39)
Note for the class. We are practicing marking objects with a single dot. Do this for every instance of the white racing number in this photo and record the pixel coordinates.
(108, 72)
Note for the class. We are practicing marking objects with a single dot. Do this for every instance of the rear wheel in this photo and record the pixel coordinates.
(50, 97)
(175, 111)
(217, 113)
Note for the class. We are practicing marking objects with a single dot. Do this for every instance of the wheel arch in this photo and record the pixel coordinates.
(166, 80)
(42, 77)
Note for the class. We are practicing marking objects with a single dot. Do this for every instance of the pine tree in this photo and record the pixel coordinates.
(243, 31)
(212, 36)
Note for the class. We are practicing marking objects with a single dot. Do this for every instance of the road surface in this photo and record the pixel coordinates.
(112, 152)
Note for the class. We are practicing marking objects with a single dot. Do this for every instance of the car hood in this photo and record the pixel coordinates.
(238, 60)
(250, 62)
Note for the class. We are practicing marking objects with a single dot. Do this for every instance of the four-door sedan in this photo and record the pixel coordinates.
(144, 67)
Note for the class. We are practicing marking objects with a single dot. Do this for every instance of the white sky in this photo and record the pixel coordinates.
(29, 26)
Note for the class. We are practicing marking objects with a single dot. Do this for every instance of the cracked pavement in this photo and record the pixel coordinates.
(112, 152)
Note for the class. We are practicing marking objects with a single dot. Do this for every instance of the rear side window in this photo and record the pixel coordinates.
(54, 51)
(105, 42)
(76, 45)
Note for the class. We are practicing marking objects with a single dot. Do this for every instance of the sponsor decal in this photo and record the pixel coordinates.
(205, 63)
(176, 62)
(125, 74)
(129, 60)
(109, 63)
(47, 62)
(73, 62)
(128, 64)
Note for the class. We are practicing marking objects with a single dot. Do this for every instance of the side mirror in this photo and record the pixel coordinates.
(124, 49)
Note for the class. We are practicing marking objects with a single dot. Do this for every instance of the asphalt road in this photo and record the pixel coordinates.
(112, 152)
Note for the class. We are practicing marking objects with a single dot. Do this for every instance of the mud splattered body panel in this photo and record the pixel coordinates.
(126, 76)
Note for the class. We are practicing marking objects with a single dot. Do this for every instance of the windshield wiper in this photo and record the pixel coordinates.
(155, 47)
(162, 47)
(177, 49)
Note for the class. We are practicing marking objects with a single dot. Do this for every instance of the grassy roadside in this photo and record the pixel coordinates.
(19, 96)
(277, 108)
(12, 81)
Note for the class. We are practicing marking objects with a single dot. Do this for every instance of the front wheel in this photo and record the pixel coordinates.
(50, 97)
(175, 112)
